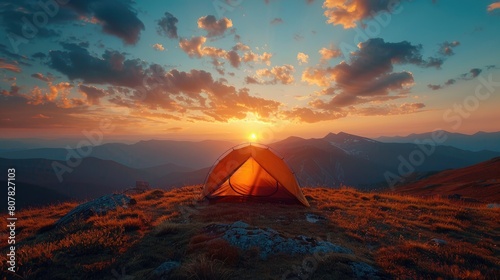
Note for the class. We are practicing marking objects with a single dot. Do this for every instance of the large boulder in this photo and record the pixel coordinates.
(99, 206)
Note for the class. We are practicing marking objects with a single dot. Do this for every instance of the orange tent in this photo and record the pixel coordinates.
(252, 173)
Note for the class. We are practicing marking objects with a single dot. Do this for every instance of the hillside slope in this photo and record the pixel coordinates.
(480, 181)
(386, 236)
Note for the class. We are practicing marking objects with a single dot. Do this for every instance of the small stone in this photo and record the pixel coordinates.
(165, 268)
(438, 242)
(363, 270)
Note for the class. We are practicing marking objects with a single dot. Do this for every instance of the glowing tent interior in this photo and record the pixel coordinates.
(252, 172)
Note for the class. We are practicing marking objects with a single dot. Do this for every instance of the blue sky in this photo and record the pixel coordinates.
(190, 70)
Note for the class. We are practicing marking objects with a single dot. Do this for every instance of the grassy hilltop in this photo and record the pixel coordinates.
(392, 233)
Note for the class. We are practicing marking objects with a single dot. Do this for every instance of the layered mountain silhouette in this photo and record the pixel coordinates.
(475, 142)
(332, 161)
(142, 154)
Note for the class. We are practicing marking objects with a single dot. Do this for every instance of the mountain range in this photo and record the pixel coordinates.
(332, 161)
(475, 142)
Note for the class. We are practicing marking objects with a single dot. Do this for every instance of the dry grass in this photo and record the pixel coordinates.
(388, 231)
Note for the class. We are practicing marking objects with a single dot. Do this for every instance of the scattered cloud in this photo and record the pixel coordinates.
(213, 26)
(253, 57)
(366, 84)
(389, 109)
(302, 58)
(434, 87)
(493, 6)
(278, 74)
(298, 37)
(167, 26)
(158, 47)
(21, 59)
(40, 116)
(473, 73)
(446, 48)
(39, 55)
(175, 129)
(41, 77)
(329, 53)
(308, 115)
(194, 47)
(112, 68)
(93, 94)
(348, 13)
(117, 18)
(11, 66)
(276, 21)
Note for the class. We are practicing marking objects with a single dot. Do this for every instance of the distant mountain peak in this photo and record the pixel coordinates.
(344, 136)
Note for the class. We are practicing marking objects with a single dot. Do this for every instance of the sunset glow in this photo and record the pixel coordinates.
(304, 68)
(252, 137)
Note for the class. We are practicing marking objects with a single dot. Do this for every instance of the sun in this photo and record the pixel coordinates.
(252, 137)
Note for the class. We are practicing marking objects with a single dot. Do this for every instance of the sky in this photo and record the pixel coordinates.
(227, 69)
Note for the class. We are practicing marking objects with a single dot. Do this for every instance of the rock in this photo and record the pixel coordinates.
(164, 270)
(312, 218)
(438, 242)
(240, 224)
(454, 196)
(269, 241)
(363, 270)
(99, 206)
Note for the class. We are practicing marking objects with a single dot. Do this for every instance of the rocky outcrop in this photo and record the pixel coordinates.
(269, 241)
(99, 206)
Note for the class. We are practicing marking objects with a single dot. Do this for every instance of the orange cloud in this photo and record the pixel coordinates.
(311, 116)
(213, 26)
(158, 47)
(55, 94)
(302, 58)
(327, 54)
(348, 12)
(390, 109)
(9, 66)
(41, 77)
(317, 76)
(194, 47)
(278, 74)
(253, 57)
(493, 6)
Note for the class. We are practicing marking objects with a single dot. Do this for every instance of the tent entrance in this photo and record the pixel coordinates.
(252, 173)
(252, 180)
